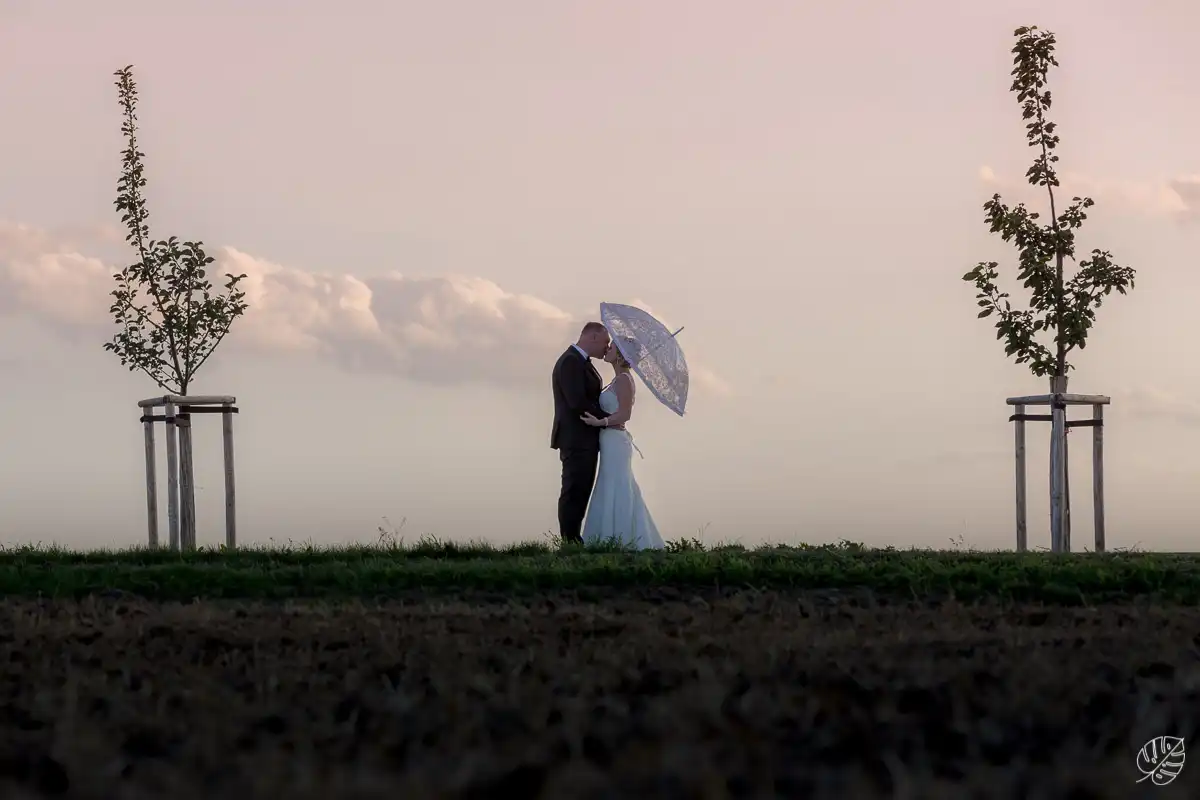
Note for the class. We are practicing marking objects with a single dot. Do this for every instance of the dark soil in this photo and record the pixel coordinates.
(615, 695)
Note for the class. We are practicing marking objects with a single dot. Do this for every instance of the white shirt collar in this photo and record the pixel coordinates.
(579, 350)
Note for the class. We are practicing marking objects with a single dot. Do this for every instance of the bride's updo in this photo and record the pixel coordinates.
(631, 345)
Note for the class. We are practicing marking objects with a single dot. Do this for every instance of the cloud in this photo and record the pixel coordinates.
(1177, 198)
(1187, 189)
(700, 376)
(442, 330)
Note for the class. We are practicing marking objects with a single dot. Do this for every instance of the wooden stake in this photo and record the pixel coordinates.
(187, 486)
(1022, 527)
(1098, 474)
(151, 486)
(1066, 488)
(230, 492)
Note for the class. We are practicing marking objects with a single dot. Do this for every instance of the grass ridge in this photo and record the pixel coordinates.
(308, 571)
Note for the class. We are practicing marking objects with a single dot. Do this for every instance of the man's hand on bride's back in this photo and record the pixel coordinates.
(595, 422)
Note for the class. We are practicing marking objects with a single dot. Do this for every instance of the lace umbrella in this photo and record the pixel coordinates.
(651, 350)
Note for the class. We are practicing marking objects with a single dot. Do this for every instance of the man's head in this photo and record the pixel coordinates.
(593, 340)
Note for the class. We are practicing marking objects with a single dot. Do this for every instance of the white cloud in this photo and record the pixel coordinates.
(700, 376)
(444, 330)
(1187, 189)
(1176, 198)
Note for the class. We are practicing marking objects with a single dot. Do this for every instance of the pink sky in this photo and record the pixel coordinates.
(429, 197)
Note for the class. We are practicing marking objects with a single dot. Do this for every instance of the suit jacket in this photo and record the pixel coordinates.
(577, 388)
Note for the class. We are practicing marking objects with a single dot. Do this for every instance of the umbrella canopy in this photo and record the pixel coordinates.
(652, 351)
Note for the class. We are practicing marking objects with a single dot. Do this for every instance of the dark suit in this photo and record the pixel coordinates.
(576, 390)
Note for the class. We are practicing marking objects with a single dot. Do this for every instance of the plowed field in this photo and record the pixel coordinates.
(637, 692)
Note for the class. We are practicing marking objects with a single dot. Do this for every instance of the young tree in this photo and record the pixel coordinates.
(1067, 309)
(170, 319)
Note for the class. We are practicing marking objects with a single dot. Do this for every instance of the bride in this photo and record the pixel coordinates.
(617, 512)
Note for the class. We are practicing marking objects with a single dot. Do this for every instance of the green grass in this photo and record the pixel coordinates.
(431, 565)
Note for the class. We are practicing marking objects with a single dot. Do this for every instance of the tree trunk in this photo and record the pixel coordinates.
(1058, 464)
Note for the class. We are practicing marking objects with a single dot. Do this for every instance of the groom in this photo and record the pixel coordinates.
(576, 391)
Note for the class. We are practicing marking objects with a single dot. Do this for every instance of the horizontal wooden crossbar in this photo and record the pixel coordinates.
(188, 400)
(208, 410)
(1067, 399)
(1074, 423)
(183, 415)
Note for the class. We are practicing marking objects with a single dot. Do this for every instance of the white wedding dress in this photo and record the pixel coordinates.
(617, 513)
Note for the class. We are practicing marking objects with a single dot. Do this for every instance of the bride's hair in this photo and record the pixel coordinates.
(621, 361)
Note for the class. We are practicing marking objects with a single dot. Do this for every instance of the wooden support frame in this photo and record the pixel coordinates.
(1060, 513)
(181, 489)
